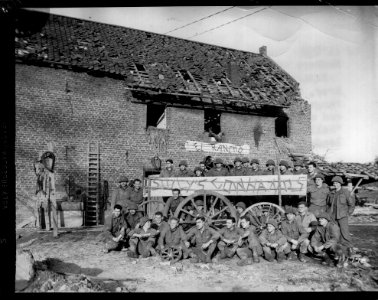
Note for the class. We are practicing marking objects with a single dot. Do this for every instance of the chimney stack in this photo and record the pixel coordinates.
(263, 51)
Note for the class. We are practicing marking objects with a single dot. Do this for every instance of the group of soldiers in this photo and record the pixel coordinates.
(318, 226)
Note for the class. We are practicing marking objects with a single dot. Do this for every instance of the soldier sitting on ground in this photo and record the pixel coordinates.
(238, 169)
(274, 243)
(158, 222)
(218, 170)
(295, 234)
(174, 236)
(133, 216)
(142, 239)
(326, 239)
(312, 227)
(174, 201)
(204, 241)
(229, 237)
(183, 171)
(249, 244)
(304, 217)
(114, 230)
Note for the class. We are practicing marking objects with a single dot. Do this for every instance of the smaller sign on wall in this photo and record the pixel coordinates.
(216, 148)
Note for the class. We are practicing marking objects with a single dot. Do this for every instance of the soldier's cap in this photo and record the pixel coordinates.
(143, 221)
(132, 205)
(237, 159)
(240, 204)
(272, 222)
(123, 179)
(324, 215)
(290, 210)
(197, 169)
(270, 162)
(199, 202)
(319, 175)
(337, 179)
(298, 163)
(218, 161)
(183, 162)
(169, 160)
(284, 163)
(255, 161)
(313, 224)
(245, 160)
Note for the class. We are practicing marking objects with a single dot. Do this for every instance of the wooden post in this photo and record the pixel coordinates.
(356, 186)
(52, 197)
(279, 174)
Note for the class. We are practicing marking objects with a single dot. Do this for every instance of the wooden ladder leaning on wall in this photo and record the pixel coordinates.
(92, 210)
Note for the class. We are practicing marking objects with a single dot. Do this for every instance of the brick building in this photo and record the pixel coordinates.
(140, 94)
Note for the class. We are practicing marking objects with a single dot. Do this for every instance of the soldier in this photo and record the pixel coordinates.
(245, 163)
(133, 216)
(114, 230)
(158, 223)
(238, 170)
(318, 195)
(295, 234)
(199, 210)
(272, 240)
(229, 237)
(202, 165)
(120, 194)
(270, 165)
(325, 241)
(183, 171)
(298, 168)
(198, 172)
(284, 165)
(168, 171)
(142, 239)
(311, 172)
(312, 226)
(305, 217)
(240, 207)
(340, 205)
(205, 239)
(174, 237)
(249, 244)
(255, 169)
(218, 170)
(135, 194)
(174, 201)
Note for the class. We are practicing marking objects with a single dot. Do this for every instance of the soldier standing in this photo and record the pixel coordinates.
(183, 171)
(119, 196)
(168, 171)
(218, 170)
(318, 195)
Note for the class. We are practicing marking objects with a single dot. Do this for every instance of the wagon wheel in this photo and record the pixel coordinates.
(171, 254)
(261, 212)
(215, 210)
(145, 204)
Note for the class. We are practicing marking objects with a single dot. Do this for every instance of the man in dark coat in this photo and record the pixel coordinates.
(133, 216)
(168, 171)
(135, 194)
(340, 205)
(255, 169)
(238, 169)
(119, 195)
(318, 195)
(229, 237)
(142, 239)
(183, 170)
(218, 170)
(284, 166)
(270, 165)
(173, 202)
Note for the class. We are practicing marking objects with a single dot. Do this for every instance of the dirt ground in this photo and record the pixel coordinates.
(75, 262)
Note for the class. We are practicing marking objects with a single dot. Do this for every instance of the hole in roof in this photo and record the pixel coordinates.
(140, 68)
(185, 75)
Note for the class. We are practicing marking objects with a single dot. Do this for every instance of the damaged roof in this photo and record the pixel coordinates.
(369, 169)
(153, 62)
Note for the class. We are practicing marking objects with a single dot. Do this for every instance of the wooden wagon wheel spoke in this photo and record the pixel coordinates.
(175, 251)
(195, 206)
(219, 220)
(204, 202)
(222, 210)
(213, 204)
(185, 211)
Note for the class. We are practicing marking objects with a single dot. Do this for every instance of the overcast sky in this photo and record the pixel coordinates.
(332, 51)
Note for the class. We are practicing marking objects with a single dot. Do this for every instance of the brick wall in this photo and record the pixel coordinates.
(71, 109)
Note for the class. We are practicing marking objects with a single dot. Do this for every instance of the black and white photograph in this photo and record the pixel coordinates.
(172, 149)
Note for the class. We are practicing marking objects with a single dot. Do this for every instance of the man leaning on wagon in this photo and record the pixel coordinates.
(270, 165)
(255, 169)
(168, 171)
(218, 170)
(238, 169)
(183, 170)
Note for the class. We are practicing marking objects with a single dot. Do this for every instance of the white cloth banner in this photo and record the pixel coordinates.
(229, 185)
(216, 148)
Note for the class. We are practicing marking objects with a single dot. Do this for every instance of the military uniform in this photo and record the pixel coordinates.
(275, 237)
(318, 198)
(252, 172)
(229, 234)
(214, 172)
(119, 196)
(184, 173)
(173, 203)
(340, 204)
(328, 236)
(133, 220)
(250, 246)
(175, 238)
(237, 171)
(201, 237)
(134, 196)
(114, 227)
(295, 230)
(305, 219)
(142, 245)
(167, 173)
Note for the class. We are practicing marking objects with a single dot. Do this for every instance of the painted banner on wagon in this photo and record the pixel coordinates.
(229, 185)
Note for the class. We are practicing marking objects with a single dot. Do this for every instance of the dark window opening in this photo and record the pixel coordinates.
(282, 126)
(156, 116)
(212, 121)
(186, 76)
(140, 68)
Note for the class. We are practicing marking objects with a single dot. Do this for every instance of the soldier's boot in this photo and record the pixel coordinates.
(280, 257)
(243, 262)
(327, 261)
(131, 252)
(255, 257)
(301, 257)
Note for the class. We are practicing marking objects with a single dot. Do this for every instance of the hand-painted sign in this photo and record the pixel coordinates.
(230, 185)
(216, 148)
